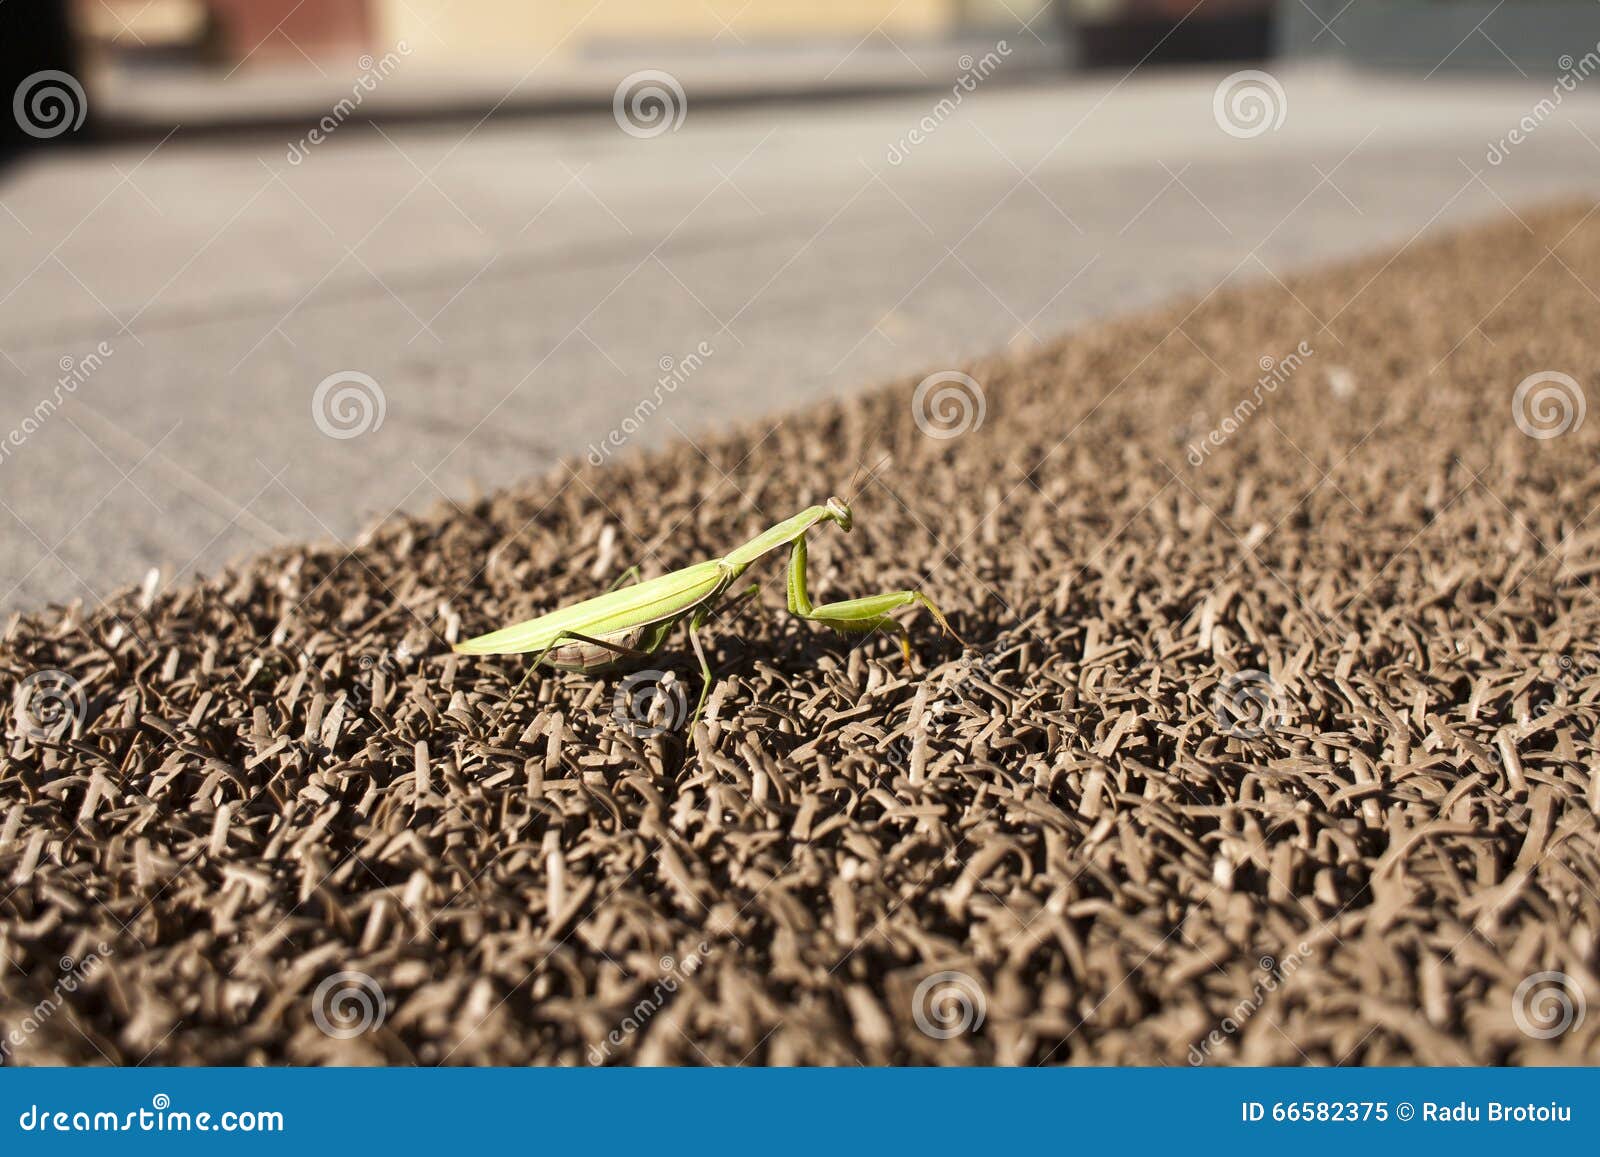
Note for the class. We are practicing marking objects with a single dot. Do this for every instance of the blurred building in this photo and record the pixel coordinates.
(451, 32)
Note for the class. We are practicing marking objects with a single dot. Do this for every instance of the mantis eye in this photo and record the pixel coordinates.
(840, 509)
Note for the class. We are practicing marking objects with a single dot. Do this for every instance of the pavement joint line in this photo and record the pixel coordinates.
(229, 525)
(73, 529)
(195, 486)
(127, 475)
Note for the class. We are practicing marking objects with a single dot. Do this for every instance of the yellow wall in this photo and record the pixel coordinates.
(456, 30)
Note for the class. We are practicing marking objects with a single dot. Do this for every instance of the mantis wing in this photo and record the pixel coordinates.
(665, 597)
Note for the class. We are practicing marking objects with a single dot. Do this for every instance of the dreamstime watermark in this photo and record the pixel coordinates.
(674, 372)
(160, 1117)
(347, 1004)
(1248, 103)
(673, 973)
(947, 1004)
(650, 703)
(1274, 972)
(49, 103)
(1573, 73)
(372, 73)
(1548, 404)
(649, 103)
(1274, 373)
(348, 404)
(73, 974)
(948, 404)
(49, 705)
(74, 373)
(973, 73)
(1249, 705)
(1547, 1004)
(387, 667)
(1568, 677)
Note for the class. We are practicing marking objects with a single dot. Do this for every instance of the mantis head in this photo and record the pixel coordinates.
(840, 510)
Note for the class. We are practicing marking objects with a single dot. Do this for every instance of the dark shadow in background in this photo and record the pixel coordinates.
(35, 36)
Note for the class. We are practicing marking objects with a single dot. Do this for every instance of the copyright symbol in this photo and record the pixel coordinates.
(1404, 1111)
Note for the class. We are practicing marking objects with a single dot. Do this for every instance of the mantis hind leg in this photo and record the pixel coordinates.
(858, 616)
(696, 622)
(567, 637)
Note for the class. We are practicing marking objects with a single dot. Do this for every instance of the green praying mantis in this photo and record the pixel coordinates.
(633, 622)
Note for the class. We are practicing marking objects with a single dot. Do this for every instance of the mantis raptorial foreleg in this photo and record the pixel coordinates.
(857, 616)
